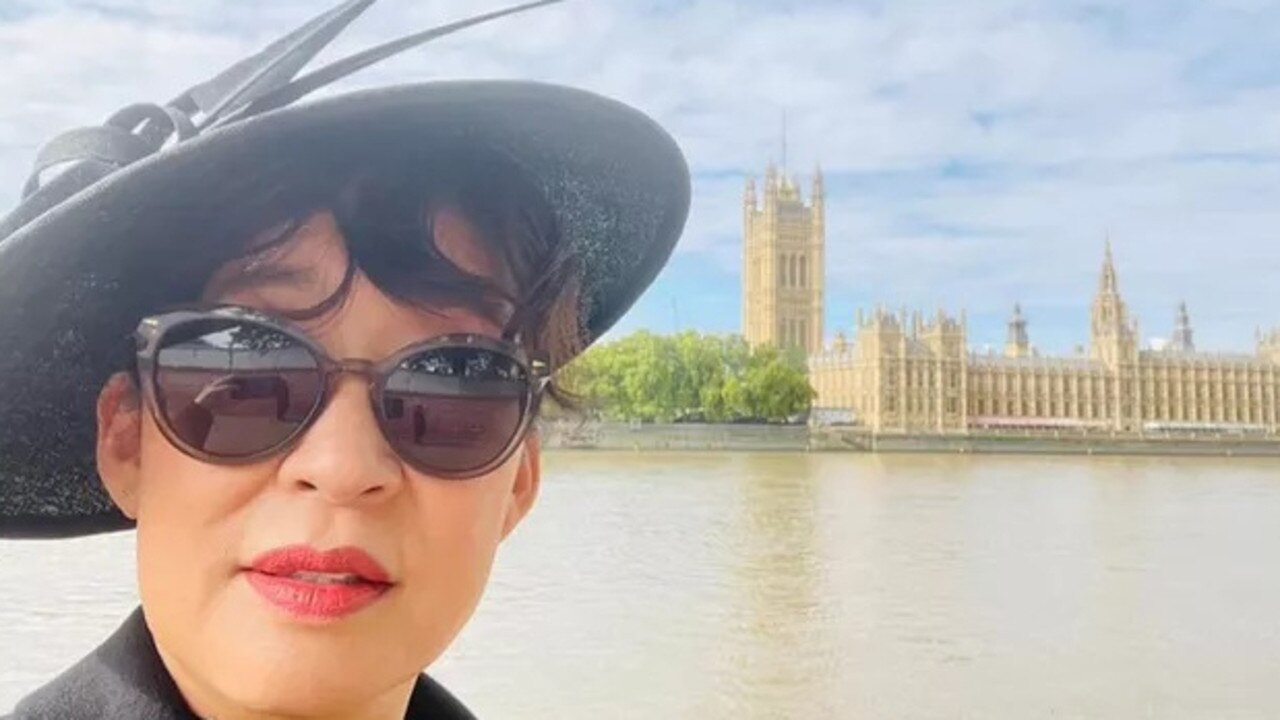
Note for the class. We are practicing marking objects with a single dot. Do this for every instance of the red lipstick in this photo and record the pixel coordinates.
(318, 585)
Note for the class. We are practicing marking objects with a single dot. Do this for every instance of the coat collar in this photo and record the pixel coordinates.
(124, 679)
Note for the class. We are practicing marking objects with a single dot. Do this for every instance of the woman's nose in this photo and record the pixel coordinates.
(343, 455)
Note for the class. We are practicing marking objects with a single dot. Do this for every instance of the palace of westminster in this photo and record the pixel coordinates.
(908, 373)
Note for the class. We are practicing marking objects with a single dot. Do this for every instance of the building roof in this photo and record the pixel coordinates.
(1036, 362)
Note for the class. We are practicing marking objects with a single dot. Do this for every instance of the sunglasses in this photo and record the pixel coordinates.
(234, 385)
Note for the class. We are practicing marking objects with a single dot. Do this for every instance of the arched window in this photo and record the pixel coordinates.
(795, 271)
(782, 271)
(804, 271)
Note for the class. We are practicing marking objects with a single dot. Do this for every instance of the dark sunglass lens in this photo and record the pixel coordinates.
(453, 410)
(233, 388)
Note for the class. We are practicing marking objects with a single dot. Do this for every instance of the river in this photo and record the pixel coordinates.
(822, 586)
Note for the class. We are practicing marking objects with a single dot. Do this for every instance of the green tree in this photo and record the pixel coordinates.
(652, 377)
(775, 388)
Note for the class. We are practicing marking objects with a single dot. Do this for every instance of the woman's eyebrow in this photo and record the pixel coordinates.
(261, 276)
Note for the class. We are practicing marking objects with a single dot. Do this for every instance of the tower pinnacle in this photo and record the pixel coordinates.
(1108, 283)
(1017, 344)
(784, 141)
(1183, 340)
(1112, 336)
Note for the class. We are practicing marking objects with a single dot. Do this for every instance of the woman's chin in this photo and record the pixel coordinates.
(259, 656)
(284, 679)
(266, 659)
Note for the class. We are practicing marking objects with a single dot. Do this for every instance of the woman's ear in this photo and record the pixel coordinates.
(525, 489)
(119, 447)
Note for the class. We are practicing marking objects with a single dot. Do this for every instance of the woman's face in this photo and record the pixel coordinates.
(201, 525)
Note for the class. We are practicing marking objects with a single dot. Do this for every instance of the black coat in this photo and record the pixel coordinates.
(124, 680)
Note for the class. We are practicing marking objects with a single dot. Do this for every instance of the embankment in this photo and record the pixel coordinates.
(799, 438)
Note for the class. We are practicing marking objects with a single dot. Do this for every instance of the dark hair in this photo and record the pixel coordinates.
(385, 208)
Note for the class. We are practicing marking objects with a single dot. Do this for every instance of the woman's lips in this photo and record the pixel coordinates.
(318, 585)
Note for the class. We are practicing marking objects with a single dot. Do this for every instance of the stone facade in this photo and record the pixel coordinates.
(783, 265)
(910, 373)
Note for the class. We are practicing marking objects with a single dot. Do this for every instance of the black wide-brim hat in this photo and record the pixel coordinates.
(79, 256)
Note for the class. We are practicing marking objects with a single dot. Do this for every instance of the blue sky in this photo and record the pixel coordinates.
(977, 154)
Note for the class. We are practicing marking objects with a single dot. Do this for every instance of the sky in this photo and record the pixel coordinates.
(976, 154)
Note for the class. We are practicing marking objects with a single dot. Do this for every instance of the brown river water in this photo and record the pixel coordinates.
(725, 585)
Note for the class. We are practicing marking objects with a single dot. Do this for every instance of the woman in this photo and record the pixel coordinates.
(301, 350)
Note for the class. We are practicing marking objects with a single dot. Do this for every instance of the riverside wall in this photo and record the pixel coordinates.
(800, 438)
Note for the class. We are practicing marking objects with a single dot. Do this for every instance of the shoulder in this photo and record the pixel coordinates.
(79, 692)
(122, 679)
(431, 700)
